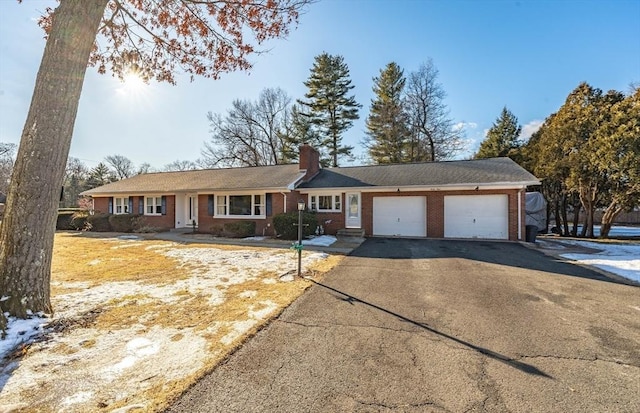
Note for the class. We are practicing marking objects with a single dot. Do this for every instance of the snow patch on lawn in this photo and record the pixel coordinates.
(619, 259)
(19, 333)
(83, 367)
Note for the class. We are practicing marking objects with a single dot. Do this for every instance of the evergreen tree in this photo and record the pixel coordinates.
(331, 111)
(616, 154)
(75, 181)
(502, 138)
(299, 130)
(387, 130)
(100, 175)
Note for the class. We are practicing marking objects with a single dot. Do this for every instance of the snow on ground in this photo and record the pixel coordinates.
(83, 367)
(20, 331)
(321, 241)
(619, 231)
(616, 231)
(620, 259)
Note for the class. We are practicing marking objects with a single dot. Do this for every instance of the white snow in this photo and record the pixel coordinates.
(616, 231)
(20, 332)
(620, 259)
(86, 365)
(321, 241)
(619, 231)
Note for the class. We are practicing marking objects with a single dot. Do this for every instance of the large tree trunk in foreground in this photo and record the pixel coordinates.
(28, 229)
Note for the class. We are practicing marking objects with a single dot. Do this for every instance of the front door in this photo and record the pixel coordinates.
(192, 210)
(353, 219)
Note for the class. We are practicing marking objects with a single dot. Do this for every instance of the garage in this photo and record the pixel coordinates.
(476, 216)
(400, 216)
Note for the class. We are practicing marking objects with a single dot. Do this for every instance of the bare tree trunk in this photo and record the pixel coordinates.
(588, 200)
(548, 212)
(432, 148)
(576, 219)
(565, 221)
(608, 217)
(26, 237)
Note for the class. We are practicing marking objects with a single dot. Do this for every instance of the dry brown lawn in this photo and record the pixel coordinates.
(139, 321)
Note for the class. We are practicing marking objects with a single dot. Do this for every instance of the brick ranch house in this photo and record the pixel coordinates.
(455, 199)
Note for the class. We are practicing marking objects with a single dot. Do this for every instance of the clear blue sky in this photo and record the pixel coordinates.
(527, 55)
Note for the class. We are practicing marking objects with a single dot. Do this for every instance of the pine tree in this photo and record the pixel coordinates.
(100, 175)
(387, 130)
(299, 131)
(331, 111)
(502, 138)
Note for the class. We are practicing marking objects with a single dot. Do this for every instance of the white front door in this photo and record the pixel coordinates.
(353, 210)
(192, 210)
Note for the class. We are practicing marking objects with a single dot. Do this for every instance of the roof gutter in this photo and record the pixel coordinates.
(429, 188)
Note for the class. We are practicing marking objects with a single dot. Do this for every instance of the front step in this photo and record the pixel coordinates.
(351, 232)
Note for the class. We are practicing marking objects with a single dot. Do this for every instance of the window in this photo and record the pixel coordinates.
(326, 203)
(153, 205)
(258, 205)
(221, 201)
(121, 205)
(240, 205)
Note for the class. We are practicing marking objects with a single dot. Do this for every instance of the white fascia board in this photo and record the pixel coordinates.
(241, 191)
(292, 186)
(128, 193)
(203, 191)
(422, 188)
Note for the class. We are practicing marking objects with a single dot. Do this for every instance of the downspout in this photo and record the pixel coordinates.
(520, 215)
(284, 194)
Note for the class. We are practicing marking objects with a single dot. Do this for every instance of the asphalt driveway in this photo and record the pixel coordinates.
(440, 326)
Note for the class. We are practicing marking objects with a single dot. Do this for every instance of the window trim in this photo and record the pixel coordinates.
(125, 205)
(217, 205)
(314, 205)
(156, 206)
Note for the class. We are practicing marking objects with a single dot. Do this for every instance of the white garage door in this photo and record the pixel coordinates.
(400, 216)
(476, 216)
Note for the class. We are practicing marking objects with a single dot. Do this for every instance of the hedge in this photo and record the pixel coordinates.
(286, 225)
(64, 220)
(239, 229)
(125, 222)
(98, 223)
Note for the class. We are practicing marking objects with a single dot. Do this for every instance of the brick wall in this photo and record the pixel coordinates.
(208, 223)
(309, 161)
(101, 206)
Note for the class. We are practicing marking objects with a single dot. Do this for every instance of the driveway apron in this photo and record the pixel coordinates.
(440, 326)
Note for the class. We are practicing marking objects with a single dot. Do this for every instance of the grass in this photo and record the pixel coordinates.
(160, 294)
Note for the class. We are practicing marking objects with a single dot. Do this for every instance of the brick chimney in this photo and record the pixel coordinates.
(309, 161)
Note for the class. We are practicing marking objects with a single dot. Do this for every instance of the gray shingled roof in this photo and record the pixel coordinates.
(472, 172)
(278, 176)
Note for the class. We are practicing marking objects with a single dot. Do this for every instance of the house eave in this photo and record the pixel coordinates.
(294, 184)
(427, 188)
(202, 191)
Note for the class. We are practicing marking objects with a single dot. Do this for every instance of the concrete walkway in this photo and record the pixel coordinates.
(343, 246)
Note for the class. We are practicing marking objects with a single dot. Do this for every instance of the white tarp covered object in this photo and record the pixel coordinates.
(536, 210)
